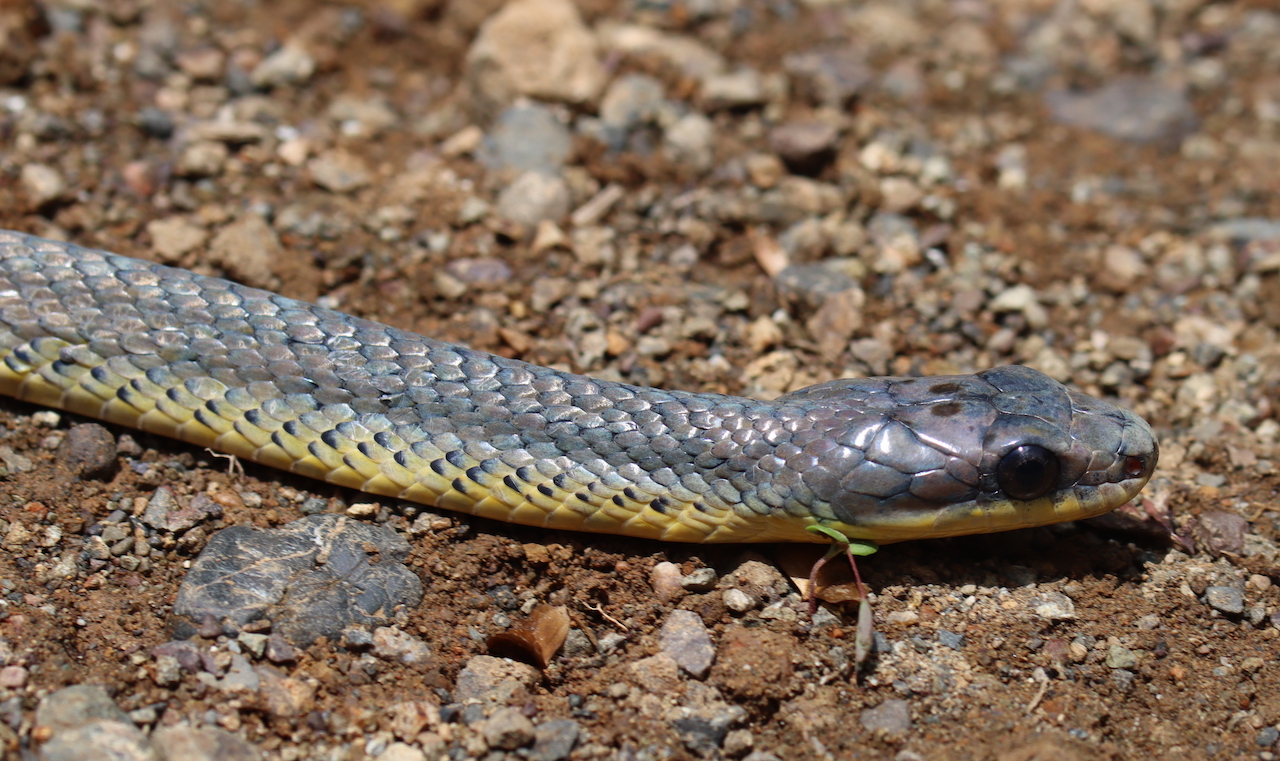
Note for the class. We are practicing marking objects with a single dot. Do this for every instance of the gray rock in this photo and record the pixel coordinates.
(248, 249)
(403, 752)
(1220, 531)
(533, 198)
(1246, 229)
(203, 158)
(527, 137)
(394, 644)
(279, 650)
(805, 147)
(1054, 606)
(743, 88)
(201, 744)
(183, 651)
(536, 48)
(86, 725)
(339, 171)
(165, 513)
(806, 287)
(554, 740)
(667, 581)
(1267, 737)
(174, 237)
(690, 140)
(483, 272)
(739, 601)
(89, 452)
(240, 676)
(167, 671)
(1123, 679)
(759, 579)
(891, 718)
(1225, 599)
(255, 644)
(830, 76)
(488, 678)
(43, 185)
(632, 101)
(312, 578)
(700, 580)
(1132, 108)
(508, 729)
(700, 734)
(96, 740)
(290, 65)
(685, 54)
(686, 640)
(1119, 657)
(283, 696)
(72, 706)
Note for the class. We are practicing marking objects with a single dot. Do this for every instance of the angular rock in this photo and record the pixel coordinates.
(686, 640)
(312, 578)
(536, 48)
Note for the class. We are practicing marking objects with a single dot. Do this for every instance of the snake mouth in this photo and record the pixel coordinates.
(1112, 480)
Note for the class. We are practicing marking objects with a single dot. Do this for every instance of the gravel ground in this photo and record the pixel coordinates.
(741, 196)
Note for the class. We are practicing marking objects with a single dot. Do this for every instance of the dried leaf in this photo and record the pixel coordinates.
(770, 255)
(536, 639)
(835, 580)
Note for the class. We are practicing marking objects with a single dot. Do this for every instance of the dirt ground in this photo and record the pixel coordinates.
(956, 170)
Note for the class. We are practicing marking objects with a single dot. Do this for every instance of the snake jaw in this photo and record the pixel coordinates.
(925, 459)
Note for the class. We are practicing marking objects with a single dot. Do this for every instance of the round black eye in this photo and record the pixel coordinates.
(1028, 472)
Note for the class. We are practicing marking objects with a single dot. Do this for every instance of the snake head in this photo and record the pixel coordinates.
(891, 459)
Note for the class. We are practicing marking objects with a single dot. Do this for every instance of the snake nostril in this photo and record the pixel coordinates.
(1135, 466)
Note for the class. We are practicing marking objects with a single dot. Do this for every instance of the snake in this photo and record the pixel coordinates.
(359, 404)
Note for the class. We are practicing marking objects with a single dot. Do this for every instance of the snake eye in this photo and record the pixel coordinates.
(1028, 472)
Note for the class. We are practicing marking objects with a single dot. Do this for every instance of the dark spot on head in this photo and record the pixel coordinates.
(946, 409)
(944, 388)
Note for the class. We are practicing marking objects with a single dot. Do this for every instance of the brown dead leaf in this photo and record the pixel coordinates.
(536, 639)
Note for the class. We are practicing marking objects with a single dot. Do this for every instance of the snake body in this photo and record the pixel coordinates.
(356, 403)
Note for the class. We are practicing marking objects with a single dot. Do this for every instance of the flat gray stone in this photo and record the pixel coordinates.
(312, 578)
(686, 640)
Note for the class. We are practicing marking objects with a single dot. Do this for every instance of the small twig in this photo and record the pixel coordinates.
(234, 468)
(600, 609)
(1043, 679)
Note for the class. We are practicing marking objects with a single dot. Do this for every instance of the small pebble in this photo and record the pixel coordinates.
(700, 581)
(666, 581)
(1268, 737)
(1226, 599)
(686, 640)
(89, 452)
(892, 718)
(508, 729)
(739, 601)
(1119, 657)
(953, 640)
(1054, 606)
(43, 184)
